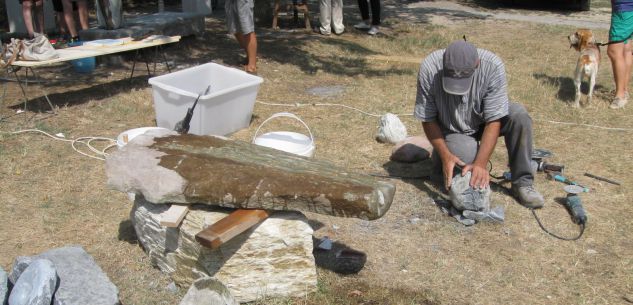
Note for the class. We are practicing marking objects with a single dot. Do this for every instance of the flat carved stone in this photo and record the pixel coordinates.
(236, 174)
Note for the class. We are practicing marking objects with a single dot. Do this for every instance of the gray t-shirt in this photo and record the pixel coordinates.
(487, 100)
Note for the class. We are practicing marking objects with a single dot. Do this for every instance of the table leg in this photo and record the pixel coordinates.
(26, 86)
(134, 64)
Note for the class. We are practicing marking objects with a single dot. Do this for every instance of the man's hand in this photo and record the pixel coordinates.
(480, 178)
(448, 164)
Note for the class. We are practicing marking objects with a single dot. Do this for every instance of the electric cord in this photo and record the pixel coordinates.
(87, 141)
(538, 220)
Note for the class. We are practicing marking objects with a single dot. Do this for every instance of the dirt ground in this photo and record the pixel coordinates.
(51, 196)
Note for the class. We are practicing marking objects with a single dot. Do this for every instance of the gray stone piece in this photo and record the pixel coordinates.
(208, 291)
(81, 280)
(36, 285)
(165, 23)
(327, 91)
(465, 197)
(19, 265)
(4, 286)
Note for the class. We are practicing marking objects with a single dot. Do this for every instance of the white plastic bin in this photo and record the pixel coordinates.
(226, 109)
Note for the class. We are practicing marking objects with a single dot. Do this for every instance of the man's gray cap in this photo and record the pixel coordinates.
(460, 62)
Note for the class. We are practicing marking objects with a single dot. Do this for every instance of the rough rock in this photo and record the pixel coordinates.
(4, 286)
(273, 259)
(412, 149)
(36, 285)
(19, 265)
(464, 197)
(218, 171)
(391, 129)
(208, 291)
(81, 280)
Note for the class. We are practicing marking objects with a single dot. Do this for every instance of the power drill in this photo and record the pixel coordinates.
(573, 204)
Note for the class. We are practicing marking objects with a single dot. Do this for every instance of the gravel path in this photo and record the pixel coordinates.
(446, 12)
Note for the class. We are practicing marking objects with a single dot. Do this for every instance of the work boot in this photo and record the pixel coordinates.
(528, 196)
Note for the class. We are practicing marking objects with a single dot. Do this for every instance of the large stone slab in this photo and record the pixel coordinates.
(272, 259)
(165, 23)
(81, 280)
(36, 285)
(217, 171)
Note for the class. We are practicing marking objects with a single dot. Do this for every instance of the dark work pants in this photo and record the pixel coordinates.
(375, 10)
(516, 128)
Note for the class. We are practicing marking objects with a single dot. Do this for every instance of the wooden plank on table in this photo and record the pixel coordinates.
(230, 226)
(172, 217)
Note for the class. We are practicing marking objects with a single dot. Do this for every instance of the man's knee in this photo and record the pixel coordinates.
(462, 146)
(519, 115)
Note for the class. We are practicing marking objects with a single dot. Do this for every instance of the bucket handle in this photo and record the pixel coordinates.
(284, 114)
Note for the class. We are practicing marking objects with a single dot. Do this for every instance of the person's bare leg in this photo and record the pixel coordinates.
(628, 60)
(39, 16)
(619, 66)
(250, 42)
(69, 18)
(82, 9)
(28, 17)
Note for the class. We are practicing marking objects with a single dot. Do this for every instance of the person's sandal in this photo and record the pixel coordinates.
(618, 102)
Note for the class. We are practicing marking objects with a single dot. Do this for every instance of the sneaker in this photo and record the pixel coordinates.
(618, 102)
(528, 196)
(362, 26)
(373, 30)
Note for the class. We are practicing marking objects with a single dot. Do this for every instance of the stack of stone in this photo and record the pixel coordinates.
(215, 176)
(67, 276)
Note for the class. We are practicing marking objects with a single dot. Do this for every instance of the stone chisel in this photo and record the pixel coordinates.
(230, 226)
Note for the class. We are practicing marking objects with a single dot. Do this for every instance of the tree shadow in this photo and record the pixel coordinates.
(37, 103)
(566, 87)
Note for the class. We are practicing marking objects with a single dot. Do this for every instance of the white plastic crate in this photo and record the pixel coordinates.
(226, 109)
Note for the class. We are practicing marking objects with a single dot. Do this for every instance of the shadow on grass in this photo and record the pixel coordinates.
(127, 232)
(566, 88)
(37, 101)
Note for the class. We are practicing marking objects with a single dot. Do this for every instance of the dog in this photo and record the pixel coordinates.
(588, 61)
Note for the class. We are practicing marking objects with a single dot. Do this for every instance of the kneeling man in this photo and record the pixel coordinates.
(462, 101)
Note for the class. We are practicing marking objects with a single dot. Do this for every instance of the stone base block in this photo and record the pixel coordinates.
(273, 258)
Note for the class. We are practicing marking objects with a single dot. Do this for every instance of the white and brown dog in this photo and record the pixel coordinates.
(588, 61)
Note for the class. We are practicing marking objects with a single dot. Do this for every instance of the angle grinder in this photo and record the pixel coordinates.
(573, 204)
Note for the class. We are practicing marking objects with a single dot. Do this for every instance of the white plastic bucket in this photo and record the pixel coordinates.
(130, 134)
(288, 141)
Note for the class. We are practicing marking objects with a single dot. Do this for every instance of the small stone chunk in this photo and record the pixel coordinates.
(36, 285)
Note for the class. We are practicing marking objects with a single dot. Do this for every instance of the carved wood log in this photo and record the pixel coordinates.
(218, 171)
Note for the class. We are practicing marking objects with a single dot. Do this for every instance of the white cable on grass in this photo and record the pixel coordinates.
(585, 125)
(100, 154)
(328, 104)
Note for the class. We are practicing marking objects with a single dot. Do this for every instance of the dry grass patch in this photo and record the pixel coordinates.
(51, 196)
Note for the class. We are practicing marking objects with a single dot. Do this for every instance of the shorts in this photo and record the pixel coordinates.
(58, 7)
(239, 16)
(621, 26)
